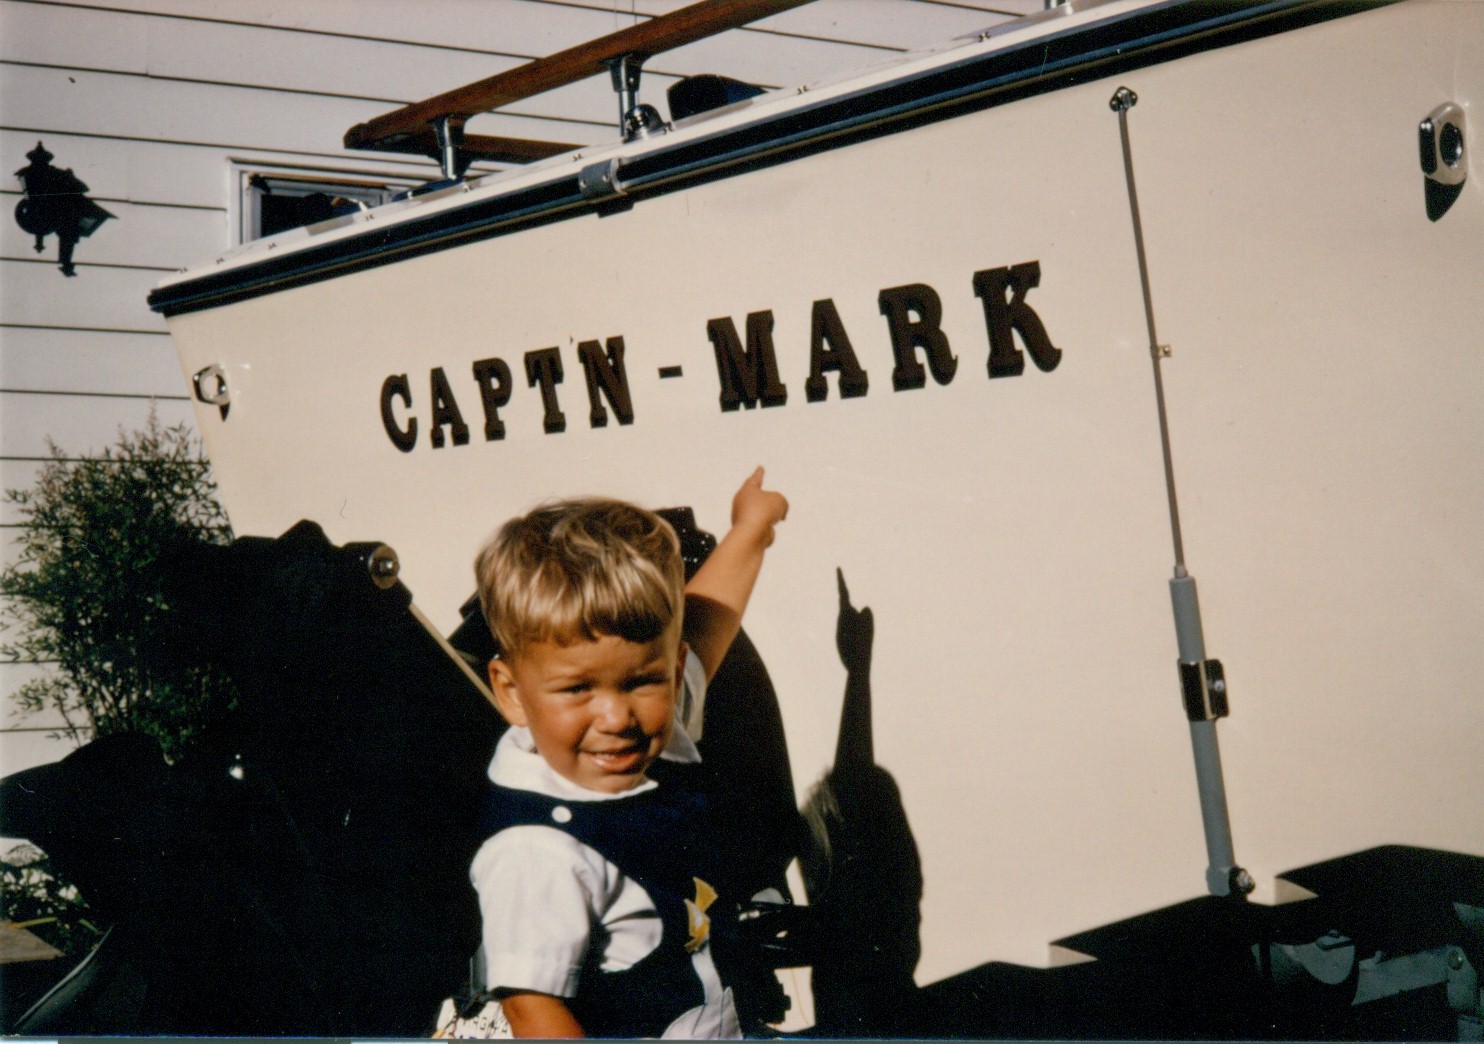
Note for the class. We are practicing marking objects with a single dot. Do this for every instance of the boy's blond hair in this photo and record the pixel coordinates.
(581, 569)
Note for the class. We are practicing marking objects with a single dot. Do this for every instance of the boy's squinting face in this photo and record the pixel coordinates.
(600, 711)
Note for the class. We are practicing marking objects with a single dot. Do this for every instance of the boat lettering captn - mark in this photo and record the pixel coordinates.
(746, 362)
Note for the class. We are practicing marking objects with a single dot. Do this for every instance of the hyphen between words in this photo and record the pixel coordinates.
(746, 364)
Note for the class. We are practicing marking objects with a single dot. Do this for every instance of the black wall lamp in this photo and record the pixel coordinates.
(55, 203)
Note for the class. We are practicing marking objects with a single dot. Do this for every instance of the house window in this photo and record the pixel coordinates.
(273, 201)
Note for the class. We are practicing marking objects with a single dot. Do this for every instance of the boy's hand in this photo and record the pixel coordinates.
(756, 511)
(717, 595)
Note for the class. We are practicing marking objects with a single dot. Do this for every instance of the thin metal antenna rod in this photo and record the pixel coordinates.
(1123, 100)
(1202, 681)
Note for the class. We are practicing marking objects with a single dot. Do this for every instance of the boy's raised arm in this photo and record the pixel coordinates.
(717, 595)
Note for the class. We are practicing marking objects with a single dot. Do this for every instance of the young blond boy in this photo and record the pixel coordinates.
(595, 882)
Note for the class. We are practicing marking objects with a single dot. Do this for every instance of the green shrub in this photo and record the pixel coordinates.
(86, 594)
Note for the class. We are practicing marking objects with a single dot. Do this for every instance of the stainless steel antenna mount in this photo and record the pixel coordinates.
(634, 120)
(448, 131)
(1202, 681)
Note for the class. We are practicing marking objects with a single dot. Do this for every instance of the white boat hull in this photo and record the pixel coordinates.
(1010, 534)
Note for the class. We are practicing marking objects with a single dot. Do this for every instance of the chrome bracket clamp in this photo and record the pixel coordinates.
(1440, 139)
(1203, 685)
(210, 383)
(1443, 153)
(599, 181)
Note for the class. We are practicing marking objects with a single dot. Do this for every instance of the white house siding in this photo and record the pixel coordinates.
(150, 102)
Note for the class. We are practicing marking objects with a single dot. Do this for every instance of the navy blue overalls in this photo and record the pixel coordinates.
(663, 840)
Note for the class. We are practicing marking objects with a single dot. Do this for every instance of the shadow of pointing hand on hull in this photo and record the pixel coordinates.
(862, 869)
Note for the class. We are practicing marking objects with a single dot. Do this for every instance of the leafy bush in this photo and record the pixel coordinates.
(87, 592)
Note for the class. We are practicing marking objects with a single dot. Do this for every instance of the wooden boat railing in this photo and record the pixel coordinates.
(435, 126)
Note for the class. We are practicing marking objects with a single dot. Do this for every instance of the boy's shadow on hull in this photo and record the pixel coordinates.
(860, 863)
(862, 869)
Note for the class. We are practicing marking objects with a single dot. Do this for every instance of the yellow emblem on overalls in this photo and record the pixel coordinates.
(700, 924)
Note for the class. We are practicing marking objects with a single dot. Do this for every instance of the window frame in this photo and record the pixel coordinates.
(367, 188)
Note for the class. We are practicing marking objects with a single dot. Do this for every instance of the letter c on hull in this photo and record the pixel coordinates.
(396, 386)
